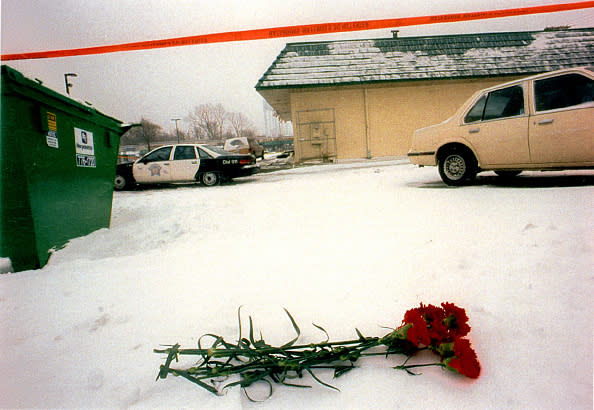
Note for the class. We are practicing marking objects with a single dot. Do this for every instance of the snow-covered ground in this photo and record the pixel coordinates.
(344, 246)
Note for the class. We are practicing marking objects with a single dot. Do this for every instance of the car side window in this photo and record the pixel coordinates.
(184, 152)
(203, 154)
(476, 112)
(162, 154)
(563, 91)
(507, 102)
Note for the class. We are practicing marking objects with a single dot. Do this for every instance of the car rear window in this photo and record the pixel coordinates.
(563, 91)
(203, 154)
(216, 150)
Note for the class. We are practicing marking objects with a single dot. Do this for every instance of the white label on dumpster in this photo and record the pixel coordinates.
(84, 142)
(52, 139)
(86, 161)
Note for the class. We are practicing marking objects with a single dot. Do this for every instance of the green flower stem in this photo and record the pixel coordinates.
(224, 352)
(407, 367)
(277, 363)
(255, 360)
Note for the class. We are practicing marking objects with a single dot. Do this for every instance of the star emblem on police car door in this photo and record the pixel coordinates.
(155, 170)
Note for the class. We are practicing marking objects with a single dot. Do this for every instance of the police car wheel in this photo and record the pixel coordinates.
(119, 183)
(210, 178)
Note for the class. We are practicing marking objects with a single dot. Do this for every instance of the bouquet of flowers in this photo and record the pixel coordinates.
(439, 329)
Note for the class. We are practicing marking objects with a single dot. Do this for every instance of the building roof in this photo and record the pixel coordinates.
(428, 58)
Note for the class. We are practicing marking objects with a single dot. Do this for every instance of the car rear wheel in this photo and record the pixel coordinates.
(457, 167)
(119, 183)
(210, 178)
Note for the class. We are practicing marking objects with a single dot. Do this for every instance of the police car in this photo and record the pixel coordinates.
(202, 163)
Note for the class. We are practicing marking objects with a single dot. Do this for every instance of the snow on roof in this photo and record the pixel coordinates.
(433, 57)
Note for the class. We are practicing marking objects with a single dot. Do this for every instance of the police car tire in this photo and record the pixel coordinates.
(120, 183)
(210, 178)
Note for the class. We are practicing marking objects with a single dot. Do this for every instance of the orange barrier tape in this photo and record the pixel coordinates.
(301, 30)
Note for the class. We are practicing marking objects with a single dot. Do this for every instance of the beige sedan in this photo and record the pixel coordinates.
(542, 122)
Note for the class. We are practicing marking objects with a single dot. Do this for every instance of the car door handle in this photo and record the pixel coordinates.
(194, 162)
(545, 122)
(167, 163)
(474, 130)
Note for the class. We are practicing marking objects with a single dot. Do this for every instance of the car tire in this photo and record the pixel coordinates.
(120, 183)
(210, 178)
(507, 174)
(457, 167)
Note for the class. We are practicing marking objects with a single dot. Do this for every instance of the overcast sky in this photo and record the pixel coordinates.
(162, 84)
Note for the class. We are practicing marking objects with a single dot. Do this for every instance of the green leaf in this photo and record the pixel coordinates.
(261, 344)
(340, 370)
(257, 401)
(323, 330)
(239, 325)
(320, 381)
(302, 386)
(164, 369)
(252, 331)
(292, 342)
(361, 337)
(195, 380)
(218, 340)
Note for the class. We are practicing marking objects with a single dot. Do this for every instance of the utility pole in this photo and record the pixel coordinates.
(176, 129)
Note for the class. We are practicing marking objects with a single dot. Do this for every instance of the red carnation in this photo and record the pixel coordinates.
(455, 321)
(464, 360)
(433, 317)
(417, 334)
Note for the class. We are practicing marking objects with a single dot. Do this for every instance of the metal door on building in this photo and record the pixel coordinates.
(316, 135)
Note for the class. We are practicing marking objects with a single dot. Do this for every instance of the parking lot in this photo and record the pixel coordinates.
(345, 246)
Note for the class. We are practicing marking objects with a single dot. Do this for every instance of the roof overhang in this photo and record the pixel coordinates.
(279, 99)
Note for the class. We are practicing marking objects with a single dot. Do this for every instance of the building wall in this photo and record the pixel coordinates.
(343, 106)
(374, 120)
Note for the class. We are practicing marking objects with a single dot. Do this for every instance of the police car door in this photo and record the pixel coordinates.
(153, 168)
(185, 163)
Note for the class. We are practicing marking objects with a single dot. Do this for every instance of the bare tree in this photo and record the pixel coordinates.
(145, 134)
(208, 121)
(241, 126)
(183, 135)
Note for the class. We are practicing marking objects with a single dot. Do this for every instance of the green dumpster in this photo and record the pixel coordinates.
(58, 160)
